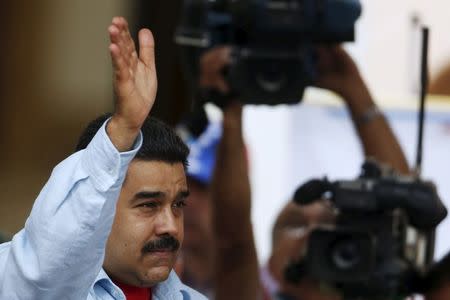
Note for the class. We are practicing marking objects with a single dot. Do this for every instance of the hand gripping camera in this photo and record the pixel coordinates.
(273, 41)
(381, 243)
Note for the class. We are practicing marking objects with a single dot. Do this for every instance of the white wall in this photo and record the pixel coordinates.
(386, 48)
(288, 146)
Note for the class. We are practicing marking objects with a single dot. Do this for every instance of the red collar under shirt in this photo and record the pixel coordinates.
(135, 293)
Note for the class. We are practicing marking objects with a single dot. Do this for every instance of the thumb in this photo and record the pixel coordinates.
(147, 47)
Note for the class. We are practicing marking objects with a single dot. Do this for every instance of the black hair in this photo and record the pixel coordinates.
(160, 142)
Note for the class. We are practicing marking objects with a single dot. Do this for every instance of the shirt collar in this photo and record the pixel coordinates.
(106, 283)
(171, 288)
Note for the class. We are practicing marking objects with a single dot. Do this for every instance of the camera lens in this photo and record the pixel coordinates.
(271, 78)
(345, 254)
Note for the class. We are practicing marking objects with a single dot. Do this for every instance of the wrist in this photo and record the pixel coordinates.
(232, 116)
(121, 134)
(366, 117)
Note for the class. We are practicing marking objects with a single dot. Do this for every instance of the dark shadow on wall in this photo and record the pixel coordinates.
(173, 99)
(34, 133)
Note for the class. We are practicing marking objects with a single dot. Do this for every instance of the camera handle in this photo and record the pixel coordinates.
(312, 191)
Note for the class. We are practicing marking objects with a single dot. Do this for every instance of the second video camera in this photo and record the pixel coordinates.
(380, 243)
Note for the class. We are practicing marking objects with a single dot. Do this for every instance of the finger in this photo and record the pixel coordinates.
(123, 38)
(119, 64)
(212, 64)
(225, 53)
(147, 48)
(115, 38)
(118, 22)
(126, 34)
(127, 40)
(212, 80)
(216, 59)
(131, 48)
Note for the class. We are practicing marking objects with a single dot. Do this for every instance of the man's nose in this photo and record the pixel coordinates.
(167, 222)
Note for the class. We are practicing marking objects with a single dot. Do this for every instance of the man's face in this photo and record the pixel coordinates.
(148, 226)
(197, 221)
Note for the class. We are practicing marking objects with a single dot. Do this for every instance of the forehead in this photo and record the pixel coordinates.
(155, 174)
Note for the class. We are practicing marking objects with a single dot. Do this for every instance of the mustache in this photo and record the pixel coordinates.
(165, 243)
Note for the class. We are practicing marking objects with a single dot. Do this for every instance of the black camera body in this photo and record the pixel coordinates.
(273, 41)
(364, 255)
(381, 242)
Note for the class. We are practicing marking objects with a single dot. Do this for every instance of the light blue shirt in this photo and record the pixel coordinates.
(59, 253)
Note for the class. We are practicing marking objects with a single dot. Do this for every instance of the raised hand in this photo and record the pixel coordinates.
(339, 73)
(337, 70)
(135, 82)
(212, 64)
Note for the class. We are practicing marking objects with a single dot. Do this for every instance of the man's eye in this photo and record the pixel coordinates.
(149, 205)
(180, 204)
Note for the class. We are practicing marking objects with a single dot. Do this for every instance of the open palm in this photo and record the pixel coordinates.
(135, 82)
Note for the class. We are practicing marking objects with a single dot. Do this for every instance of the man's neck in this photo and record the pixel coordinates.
(135, 293)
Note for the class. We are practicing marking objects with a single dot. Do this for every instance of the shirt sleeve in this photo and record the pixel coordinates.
(60, 251)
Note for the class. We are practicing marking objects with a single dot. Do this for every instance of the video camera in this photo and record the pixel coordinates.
(273, 41)
(380, 244)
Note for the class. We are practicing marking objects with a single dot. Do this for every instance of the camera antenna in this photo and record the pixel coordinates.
(423, 92)
(426, 242)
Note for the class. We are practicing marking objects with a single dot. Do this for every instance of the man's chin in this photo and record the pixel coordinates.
(157, 265)
(155, 275)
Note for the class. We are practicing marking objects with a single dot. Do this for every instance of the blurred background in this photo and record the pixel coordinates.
(56, 76)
